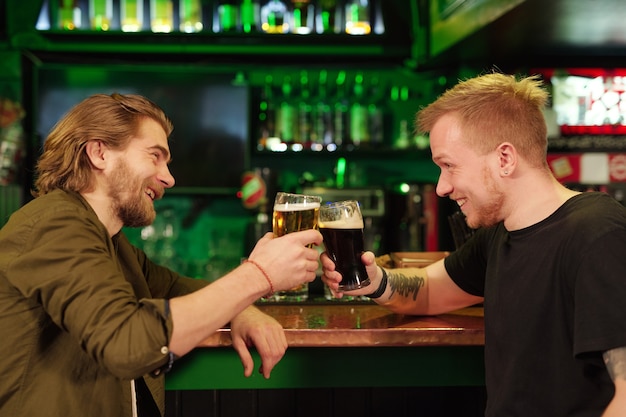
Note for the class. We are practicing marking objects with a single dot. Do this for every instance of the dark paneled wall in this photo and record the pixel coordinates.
(329, 402)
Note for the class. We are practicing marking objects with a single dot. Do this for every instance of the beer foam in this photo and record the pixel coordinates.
(349, 223)
(296, 206)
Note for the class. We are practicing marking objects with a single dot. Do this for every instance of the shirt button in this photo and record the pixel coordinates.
(165, 350)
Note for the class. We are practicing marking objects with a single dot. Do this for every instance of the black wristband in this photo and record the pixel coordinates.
(381, 288)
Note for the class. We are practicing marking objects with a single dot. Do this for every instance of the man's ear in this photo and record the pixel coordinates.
(507, 157)
(96, 151)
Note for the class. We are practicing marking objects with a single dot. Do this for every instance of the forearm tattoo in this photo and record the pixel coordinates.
(615, 361)
(405, 285)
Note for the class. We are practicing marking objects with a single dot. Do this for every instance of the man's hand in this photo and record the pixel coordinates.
(253, 328)
(331, 277)
(288, 260)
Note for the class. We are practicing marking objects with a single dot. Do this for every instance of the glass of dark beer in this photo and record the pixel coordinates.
(341, 225)
(293, 213)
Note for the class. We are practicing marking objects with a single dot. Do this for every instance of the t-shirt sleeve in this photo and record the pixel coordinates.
(467, 265)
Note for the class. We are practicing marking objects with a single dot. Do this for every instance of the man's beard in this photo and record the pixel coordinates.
(489, 213)
(129, 201)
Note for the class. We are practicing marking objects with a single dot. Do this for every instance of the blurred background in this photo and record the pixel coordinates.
(315, 96)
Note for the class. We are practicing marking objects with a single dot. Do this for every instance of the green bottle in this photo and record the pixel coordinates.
(250, 16)
(228, 14)
(131, 15)
(100, 14)
(190, 16)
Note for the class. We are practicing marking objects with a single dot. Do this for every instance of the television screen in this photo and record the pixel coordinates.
(588, 101)
(209, 112)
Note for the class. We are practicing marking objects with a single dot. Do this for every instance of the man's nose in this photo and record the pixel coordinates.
(166, 178)
(444, 188)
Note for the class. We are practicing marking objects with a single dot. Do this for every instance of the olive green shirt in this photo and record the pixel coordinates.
(81, 314)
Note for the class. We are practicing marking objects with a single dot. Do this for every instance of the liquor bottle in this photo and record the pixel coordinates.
(267, 115)
(131, 15)
(304, 112)
(359, 129)
(69, 15)
(228, 16)
(302, 17)
(378, 18)
(250, 16)
(328, 17)
(274, 16)
(100, 14)
(376, 113)
(358, 17)
(286, 119)
(340, 111)
(403, 140)
(190, 16)
(322, 134)
(161, 16)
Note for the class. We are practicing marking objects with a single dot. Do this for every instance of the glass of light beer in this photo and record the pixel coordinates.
(293, 213)
(341, 225)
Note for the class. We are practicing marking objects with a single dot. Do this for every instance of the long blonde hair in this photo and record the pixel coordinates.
(112, 119)
(495, 108)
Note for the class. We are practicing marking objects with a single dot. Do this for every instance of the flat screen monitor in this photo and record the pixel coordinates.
(588, 101)
(209, 112)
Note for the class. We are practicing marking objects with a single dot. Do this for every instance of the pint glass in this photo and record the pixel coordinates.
(341, 225)
(292, 213)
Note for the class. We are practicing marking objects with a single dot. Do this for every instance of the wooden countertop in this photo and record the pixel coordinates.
(367, 325)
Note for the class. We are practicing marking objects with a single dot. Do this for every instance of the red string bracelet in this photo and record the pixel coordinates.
(267, 277)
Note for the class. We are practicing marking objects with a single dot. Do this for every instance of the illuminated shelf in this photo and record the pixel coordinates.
(211, 43)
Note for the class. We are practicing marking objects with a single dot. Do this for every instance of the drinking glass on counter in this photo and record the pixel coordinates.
(341, 225)
(293, 213)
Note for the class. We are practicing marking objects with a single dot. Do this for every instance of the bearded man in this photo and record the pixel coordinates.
(88, 323)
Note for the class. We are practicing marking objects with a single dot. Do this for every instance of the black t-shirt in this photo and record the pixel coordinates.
(555, 300)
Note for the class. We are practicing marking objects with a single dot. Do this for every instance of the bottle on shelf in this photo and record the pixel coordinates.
(131, 15)
(286, 116)
(330, 110)
(267, 116)
(340, 112)
(303, 138)
(69, 15)
(359, 129)
(378, 22)
(376, 113)
(190, 16)
(329, 17)
(227, 16)
(403, 138)
(357, 17)
(302, 17)
(161, 16)
(274, 17)
(250, 16)
(322, 118)
(100, 14)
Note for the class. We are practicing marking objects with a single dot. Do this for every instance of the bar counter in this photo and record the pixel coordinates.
(348, 344)
(366, 325)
